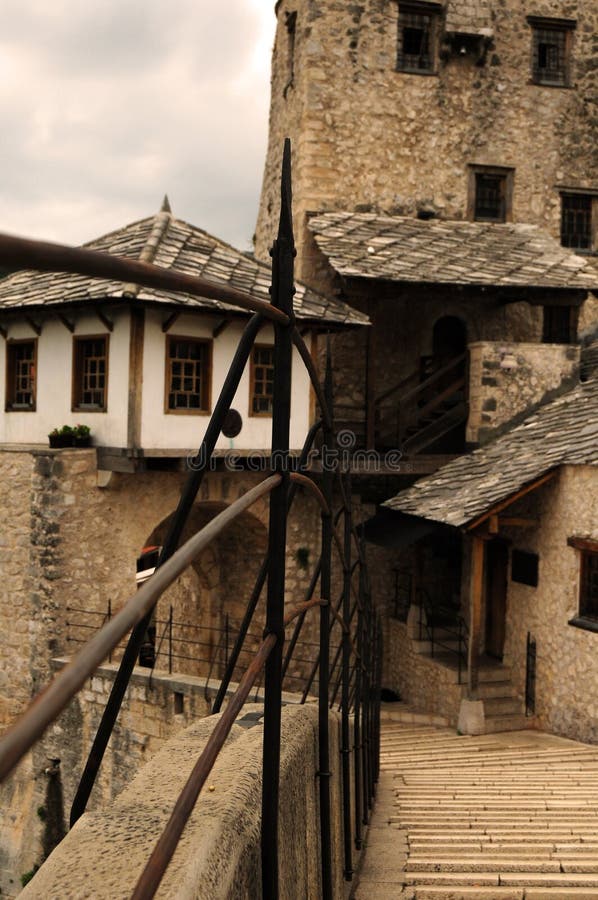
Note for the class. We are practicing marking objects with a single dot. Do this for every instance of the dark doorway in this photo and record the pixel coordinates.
(449, 340)
(497, 566)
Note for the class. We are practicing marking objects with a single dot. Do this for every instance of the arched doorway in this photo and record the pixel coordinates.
(443, 378)
(449, 340)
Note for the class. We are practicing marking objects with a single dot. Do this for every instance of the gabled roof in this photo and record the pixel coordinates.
(564, 432)
(396, 248)
(173, 244)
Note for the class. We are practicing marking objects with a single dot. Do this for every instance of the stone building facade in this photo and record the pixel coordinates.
(369, 136)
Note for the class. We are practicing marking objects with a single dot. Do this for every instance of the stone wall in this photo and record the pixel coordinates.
(153, 711)
(567, 667)
(506, 379)
(367, 137)
(420, 681)
(219, 853)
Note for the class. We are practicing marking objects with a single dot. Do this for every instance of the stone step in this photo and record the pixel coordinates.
(506, 893)
(432, 649)
(506, 878)
(490, 689)
(495, 723)
(473, 864)
(502, 705)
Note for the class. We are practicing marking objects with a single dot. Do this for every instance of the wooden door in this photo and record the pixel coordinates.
(497, 565)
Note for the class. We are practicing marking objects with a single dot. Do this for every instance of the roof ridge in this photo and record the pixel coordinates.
(150, 248)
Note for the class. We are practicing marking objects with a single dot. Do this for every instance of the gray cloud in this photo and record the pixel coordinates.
(106, 105)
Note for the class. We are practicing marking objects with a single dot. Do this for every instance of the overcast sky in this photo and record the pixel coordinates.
(108, 104)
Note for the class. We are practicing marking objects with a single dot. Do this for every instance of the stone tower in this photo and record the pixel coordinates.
(409, 108)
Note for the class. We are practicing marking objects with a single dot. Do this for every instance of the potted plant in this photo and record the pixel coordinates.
(82, 435)
(55, 438)
(62, 437)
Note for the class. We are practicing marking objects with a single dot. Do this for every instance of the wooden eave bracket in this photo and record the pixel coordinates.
(4, 332)
(33, 325)
(106, 322)
(70, 326)
(221, 326)
(169, 322)
(492, 513)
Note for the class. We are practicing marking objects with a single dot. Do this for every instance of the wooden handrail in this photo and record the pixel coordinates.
(434, 377)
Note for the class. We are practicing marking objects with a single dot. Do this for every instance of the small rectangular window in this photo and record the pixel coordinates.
(90, 373)
(588, 580)
(524, 567)
(261, 380)
(560, 325)
(188, 365)
(551, 51)
(490, 193)
(588, 585)
(416, 48)
(577, 212)
(21, 359)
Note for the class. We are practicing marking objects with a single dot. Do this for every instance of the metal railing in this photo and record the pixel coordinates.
(360, 644)
(444, 628)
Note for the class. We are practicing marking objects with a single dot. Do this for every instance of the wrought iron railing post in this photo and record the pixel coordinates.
(357, 711)
(346, 674)
(324, 650)
(282, 297)
(170, 614)
(365, 736)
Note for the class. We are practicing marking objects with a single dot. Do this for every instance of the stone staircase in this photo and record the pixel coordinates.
(503, 710)
(511, 816)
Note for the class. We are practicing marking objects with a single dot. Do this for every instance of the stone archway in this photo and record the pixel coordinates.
(209, 599)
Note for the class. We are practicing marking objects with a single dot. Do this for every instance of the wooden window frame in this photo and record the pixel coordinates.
(76, 386)
(565, 28)
(433, 11)
(207, 366)
(587, 547)
(252, 365)
(10, 391)
(592, 196)
(507, 173)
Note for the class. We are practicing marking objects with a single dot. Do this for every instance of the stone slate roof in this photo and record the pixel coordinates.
(396, 248)
(173, 244)
(564, 432)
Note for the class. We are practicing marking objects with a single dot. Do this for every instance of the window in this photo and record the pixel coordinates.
(90, 373)
(551, 51)
(578, 221)
(21, 359)
(188, 367)
(588, 582)
(416, 49)
(490, 194)
(560, 325)
(524, 568)
(261, 381)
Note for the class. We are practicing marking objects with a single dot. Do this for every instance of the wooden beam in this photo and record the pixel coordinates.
(70, 326)
(134, 405)
(221, 326)
(370, 385)
(517, 522)
(33, 325)
(106, 322)
(476, 592)
(583, 544)
(493, 525)
(169, 322)
(526, 489)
